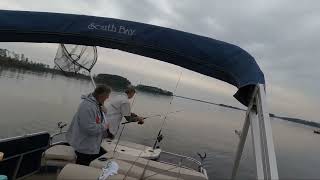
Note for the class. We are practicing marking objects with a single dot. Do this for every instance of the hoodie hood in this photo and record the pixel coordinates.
(89, 98)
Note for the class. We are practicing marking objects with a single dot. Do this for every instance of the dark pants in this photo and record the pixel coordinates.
(109, 135)
(85, 159)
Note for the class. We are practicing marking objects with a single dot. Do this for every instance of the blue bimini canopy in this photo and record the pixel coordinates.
(204, 55)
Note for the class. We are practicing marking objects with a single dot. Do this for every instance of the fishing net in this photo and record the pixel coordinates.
(73, 58)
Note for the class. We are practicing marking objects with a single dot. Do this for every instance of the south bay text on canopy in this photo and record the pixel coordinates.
(112, 28)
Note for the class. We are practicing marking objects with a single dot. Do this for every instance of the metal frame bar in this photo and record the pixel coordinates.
(28, 175)
(256, 136)
(258, 116)
(25, 153)
(270, 162)
(17, 167)
(243, 137)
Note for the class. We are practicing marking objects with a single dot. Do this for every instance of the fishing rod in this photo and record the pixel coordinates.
(156, 115)
(159, 136)
(142, 119)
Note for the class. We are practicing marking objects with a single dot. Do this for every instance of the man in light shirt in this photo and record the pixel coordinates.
(119, 107)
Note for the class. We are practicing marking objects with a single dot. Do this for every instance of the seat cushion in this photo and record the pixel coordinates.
(75, 171)
(60, 152)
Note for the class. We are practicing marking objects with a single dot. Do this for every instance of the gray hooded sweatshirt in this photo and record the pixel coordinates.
(86, 129)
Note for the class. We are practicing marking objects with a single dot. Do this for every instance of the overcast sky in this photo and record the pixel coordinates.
(283, 36)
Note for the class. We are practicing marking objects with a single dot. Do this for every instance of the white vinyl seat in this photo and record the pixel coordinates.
(59, 155)
(77, 172)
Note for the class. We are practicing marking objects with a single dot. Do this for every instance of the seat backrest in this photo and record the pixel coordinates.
(22, 154)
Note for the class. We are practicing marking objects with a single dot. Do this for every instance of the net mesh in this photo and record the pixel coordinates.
(73, 58)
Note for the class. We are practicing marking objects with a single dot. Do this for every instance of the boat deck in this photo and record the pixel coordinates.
(131, 148)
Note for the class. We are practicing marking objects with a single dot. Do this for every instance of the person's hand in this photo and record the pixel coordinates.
(141, 120)
(108, 134)
(134, 115)
(103, 109)
(106, 126)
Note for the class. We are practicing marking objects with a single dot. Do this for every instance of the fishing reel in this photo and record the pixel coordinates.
(238, 132)
(158, 140)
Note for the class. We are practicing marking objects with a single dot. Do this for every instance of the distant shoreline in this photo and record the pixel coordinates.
(294, 120)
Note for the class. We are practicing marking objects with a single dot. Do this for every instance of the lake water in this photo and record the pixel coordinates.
(31, 102)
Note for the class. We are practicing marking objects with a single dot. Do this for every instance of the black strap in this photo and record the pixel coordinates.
(101, 113)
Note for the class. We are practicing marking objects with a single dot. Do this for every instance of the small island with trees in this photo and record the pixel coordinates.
(116, 82)
(154, 90)
(120, 83)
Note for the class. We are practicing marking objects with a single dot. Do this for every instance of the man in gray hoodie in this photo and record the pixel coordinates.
(87, 127)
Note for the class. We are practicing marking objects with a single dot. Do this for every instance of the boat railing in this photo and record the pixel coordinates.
(54, 137)
(57, 138)
(181, 161)
(22, 154)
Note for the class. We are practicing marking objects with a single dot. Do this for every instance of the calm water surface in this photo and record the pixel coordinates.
(31, 102)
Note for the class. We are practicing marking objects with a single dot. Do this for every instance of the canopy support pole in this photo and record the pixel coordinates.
(256, 144)
(258, 116)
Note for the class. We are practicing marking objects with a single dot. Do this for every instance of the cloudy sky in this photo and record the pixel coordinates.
(281, 34)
